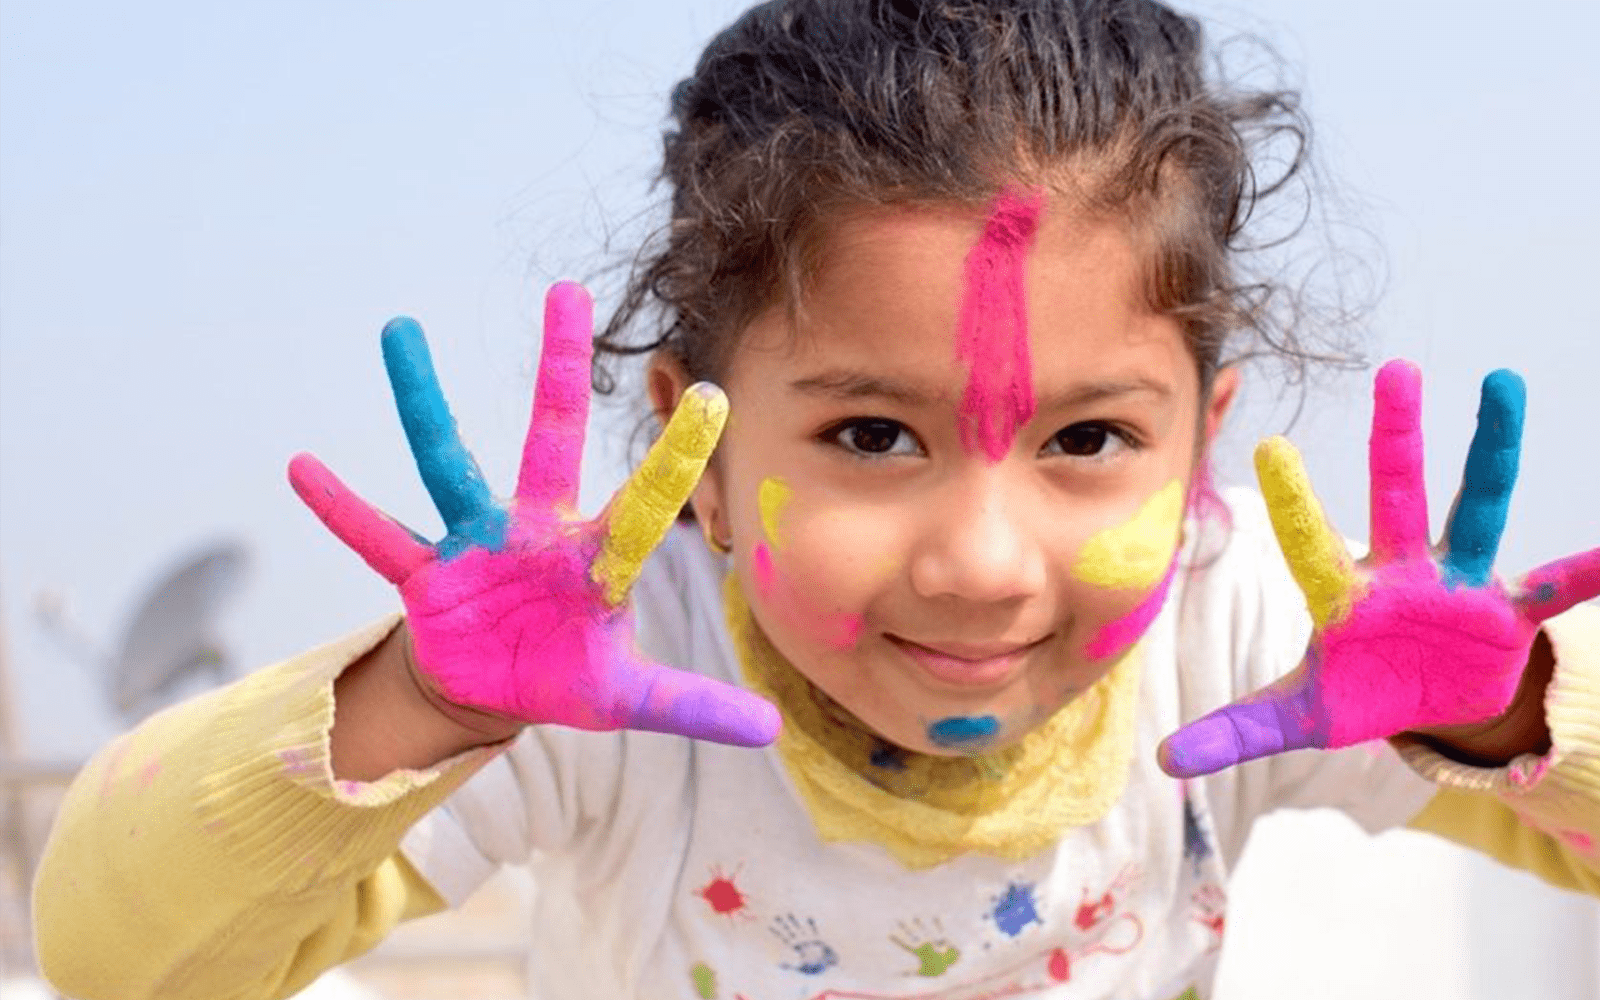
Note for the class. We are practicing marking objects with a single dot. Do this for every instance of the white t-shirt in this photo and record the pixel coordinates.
(668, 868)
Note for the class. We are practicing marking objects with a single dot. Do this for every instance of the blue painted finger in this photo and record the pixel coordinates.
(1491, 473)
(448, 471)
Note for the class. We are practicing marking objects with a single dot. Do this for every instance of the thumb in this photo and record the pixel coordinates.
(1285, 715)
(665, 700)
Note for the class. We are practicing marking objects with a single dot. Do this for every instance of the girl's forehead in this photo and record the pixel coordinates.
(922, 258)
(889, 291)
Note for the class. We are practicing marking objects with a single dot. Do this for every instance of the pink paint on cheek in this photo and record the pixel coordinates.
(766, 575)
(838, 630)
(992, 338)
(1415, 653)
(1117, 637)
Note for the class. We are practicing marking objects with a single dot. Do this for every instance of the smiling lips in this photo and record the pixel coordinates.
(966, 664)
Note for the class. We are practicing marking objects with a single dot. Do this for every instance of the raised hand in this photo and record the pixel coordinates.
(520, 609)
(1410, 637)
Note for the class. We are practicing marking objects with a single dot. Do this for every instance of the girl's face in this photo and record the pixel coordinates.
(953, 480)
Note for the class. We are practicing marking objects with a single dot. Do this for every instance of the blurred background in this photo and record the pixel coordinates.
(207, 211)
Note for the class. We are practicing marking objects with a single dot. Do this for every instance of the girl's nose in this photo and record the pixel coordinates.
(977, 547)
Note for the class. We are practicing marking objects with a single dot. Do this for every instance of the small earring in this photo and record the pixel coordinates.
(716, 544)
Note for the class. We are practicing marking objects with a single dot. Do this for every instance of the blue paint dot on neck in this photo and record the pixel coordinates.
(962, 730)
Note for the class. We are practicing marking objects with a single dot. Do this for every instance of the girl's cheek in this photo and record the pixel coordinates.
(793, 568)
(1139, 554)
(1135, 553)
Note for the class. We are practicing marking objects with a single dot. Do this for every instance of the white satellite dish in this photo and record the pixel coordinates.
(171, 636)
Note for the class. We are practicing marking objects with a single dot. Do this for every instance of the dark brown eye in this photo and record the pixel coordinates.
(874, 436)
(1090, 439)
(1083, 439)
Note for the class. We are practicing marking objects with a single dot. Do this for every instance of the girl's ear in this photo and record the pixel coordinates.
(665, 381)
(1224, 386)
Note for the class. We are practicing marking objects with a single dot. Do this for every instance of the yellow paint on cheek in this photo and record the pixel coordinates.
(774, 496)
(1135, 553)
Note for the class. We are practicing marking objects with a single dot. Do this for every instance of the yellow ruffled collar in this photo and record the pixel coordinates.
(927, 810)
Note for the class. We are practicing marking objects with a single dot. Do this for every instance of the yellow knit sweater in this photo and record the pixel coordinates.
(211, 855)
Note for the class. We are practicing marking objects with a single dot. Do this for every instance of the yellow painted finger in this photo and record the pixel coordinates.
(648, 503)
(1316, 554)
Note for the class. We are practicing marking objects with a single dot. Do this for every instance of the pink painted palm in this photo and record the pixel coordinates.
(520, 610)
(1411, 637)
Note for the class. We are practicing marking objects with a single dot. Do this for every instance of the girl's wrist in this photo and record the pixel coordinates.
(469, 723)
(1521, 729)
(386, 718)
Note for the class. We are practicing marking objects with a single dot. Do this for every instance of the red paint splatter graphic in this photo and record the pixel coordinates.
(722, 894)
(1210, 911)
(1060, 967)
(1092, 913)
(992, 339)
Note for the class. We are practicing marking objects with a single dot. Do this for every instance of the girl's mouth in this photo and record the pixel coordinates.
(966, 665)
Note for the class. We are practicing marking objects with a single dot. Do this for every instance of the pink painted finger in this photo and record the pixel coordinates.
(1399, 494)
(385, 544)
(554, 445)
(1557, 586)
(1281, 717)
(701, 708)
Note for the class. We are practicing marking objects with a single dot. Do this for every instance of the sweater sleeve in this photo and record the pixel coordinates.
(1539, 813)
(210, 853)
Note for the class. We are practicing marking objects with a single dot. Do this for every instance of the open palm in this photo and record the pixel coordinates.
(520, 609)
(1410, 637)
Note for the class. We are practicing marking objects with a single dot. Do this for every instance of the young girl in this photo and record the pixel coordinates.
(886, 724)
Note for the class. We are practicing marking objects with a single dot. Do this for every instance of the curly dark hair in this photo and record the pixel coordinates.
(801, 107)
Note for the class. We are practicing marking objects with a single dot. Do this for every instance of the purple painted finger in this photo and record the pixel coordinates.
(1399, 495)
(554, 445)
(385, 544)
(1557, 586)
(1281, 717)
(701, 708)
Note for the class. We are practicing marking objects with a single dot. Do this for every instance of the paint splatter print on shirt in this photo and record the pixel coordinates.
(1015, 909)
(808, 954)
(926, 942)
(722, 894)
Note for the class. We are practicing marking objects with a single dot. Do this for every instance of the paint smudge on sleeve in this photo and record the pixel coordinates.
(992, 339)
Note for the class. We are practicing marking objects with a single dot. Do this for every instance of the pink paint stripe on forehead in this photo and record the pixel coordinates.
(992, 339)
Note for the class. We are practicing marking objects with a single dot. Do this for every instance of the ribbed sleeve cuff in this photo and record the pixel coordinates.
(270, 794)
(1559, 791)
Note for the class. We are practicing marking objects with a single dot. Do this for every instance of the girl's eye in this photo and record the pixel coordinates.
(1091, 439)
(873, 436)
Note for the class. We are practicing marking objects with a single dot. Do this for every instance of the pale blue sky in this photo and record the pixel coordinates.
(208, 210)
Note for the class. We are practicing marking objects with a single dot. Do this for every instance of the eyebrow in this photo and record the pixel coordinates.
(846, 385)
